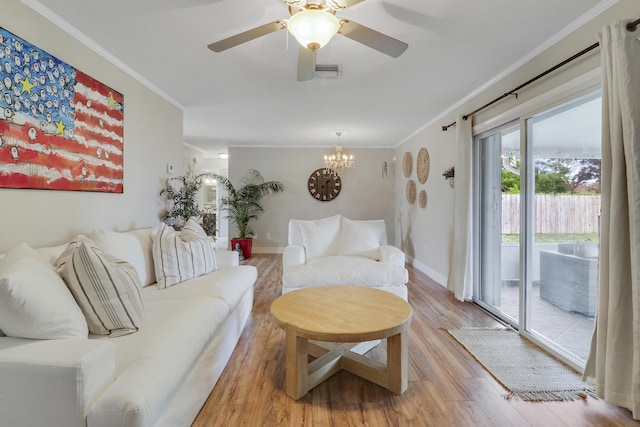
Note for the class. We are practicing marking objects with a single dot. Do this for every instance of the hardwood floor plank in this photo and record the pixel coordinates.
(446, 386)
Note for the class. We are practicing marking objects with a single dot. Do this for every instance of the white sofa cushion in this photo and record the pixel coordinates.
(321, 237)
(362, 238)
(227, 284)
(107, 289)
(132, 247)
(340, 270)
(145, 239)
(34, 301)
(183, 255)
(152, 363)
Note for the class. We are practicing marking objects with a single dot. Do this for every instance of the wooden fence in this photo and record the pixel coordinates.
(561, 214)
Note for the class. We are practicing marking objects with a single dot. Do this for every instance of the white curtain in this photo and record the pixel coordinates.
(614, 360)
(460, 268)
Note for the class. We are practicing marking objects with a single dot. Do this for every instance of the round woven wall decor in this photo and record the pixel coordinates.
(411, 191)
(407, 164)
(422, 199)
(423, 165)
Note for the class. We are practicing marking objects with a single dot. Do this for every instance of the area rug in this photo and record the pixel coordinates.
(524, 369)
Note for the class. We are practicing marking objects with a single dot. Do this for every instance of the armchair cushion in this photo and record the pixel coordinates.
(336, 270)
(321, 237)
(362, 238)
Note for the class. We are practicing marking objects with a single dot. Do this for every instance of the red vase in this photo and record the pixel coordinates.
(245, 245)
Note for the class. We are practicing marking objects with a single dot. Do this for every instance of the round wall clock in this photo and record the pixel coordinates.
(423, 165)
(324, 184)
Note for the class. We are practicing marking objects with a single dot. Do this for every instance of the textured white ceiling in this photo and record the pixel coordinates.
(249, 95)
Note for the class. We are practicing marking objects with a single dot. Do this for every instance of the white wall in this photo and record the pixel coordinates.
(366, 194)
(425, 234)
(152, 138)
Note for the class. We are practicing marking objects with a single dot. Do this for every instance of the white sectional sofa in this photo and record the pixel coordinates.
(158, 376)
(340, 251)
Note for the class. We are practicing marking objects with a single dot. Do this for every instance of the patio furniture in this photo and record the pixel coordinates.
(569, 282)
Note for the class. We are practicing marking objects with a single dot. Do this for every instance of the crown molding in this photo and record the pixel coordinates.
(84, 39)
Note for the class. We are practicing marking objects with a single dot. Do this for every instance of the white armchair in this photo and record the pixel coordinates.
(340, 251)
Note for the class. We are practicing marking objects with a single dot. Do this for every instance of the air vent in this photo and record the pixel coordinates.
(328, 71)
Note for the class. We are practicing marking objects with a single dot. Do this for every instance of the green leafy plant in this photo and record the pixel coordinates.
(181, 192)
(243, 204)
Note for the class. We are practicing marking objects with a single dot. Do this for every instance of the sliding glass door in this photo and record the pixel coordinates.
(538, 224)
(499, 251)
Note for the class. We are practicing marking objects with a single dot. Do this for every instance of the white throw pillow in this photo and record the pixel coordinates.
(321, 237)
(125, 246)
(181, 256)
(107, 288)
(362, 238)
(34, 301)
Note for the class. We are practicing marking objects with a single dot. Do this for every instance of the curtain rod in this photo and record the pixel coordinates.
(631, 26)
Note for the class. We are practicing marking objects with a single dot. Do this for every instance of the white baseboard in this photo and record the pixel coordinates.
(439, 278)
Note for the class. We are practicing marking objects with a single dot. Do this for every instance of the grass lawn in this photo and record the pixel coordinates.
(550, 238)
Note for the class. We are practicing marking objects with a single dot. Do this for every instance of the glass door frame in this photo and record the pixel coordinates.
(477, 227)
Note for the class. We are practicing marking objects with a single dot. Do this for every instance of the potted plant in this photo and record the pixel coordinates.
(181, 193)
(242, 205)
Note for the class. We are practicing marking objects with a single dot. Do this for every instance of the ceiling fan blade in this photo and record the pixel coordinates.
(247, 36)
(306, 64)
(343, 4)
(372, 38)
(295, 3)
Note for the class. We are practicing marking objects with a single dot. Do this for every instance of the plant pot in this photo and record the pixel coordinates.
(245, 245)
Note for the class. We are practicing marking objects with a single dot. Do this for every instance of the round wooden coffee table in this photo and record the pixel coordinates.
(342, 314)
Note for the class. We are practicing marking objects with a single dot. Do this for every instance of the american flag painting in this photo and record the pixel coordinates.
(59, 128)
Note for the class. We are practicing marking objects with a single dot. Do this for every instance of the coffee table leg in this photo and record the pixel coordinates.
(397, 360)
(296, 365)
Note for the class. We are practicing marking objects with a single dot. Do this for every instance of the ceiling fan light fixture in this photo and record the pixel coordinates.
(313, 28)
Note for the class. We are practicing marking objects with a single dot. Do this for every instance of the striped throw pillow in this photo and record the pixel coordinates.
(107, 289)
(183, 255)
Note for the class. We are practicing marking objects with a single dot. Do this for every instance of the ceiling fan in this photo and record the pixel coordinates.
(313, 23)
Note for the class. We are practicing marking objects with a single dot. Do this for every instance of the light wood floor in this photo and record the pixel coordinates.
(447, 387)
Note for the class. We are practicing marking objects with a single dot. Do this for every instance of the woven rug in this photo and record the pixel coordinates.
(524, 369)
